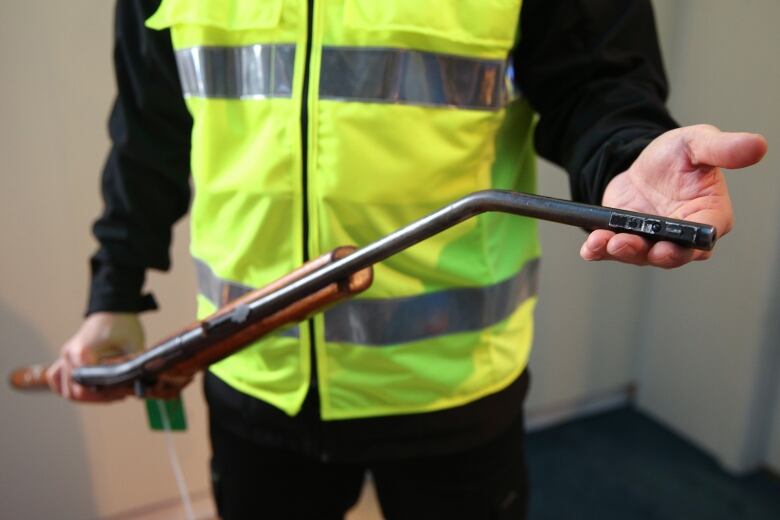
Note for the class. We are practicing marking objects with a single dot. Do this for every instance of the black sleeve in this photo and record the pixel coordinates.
(145, 182)
(592, 70)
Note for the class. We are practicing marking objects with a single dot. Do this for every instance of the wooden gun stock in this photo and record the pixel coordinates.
(219, 335)
(29, 378)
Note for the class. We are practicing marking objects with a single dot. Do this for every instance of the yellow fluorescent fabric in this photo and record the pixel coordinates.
(372, 167)
(481, 28)
(225, 14)
(427, 375)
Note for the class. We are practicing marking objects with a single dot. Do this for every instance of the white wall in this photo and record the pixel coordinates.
(59, 460)
(708, 362)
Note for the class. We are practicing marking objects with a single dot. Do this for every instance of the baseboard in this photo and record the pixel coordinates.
(558, 413)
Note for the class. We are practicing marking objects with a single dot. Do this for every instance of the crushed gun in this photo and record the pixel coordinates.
(340, 274)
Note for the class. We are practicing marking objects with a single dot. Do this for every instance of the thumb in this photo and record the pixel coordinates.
(708, 146)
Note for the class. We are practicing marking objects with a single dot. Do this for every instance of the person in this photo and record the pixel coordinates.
(305, 126)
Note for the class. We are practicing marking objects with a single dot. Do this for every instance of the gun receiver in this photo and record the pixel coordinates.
(231, 328)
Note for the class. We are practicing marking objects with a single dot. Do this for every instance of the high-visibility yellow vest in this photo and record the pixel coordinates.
(335, 122)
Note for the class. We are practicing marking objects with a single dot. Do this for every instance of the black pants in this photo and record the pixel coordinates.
(252, 481)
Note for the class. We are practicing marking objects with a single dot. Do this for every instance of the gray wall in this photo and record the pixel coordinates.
(773, 458)
(586, 324)
(701, 343)
(708, 358)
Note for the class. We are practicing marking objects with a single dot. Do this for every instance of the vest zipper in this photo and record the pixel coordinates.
(304, 170)
(313, 390)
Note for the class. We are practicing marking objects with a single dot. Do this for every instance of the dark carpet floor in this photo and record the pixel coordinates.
(624, 465)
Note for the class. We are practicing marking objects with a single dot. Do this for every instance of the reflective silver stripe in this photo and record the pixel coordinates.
(401, 320)
(216, 290)
(250, 72)
(391, 321)
(396, 76)
(411, 77)
(219, 291)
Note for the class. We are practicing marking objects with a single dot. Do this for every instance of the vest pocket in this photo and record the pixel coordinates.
(229, 15)
(490, 23)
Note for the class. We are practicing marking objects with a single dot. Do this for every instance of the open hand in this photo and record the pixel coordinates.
(679, 176)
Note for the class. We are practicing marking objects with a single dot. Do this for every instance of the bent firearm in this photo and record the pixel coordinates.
(344, 272)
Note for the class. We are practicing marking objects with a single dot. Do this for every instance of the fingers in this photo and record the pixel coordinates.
(59, 377)
(606, 245)
(708, 146)
(61, 383)
(631, 249)
(53, 377)
(668, 255)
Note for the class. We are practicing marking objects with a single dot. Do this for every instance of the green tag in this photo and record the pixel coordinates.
(166, 414)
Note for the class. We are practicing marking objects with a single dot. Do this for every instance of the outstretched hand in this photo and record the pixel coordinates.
(679, 176)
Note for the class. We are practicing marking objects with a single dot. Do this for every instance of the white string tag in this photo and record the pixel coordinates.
(181, 484)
